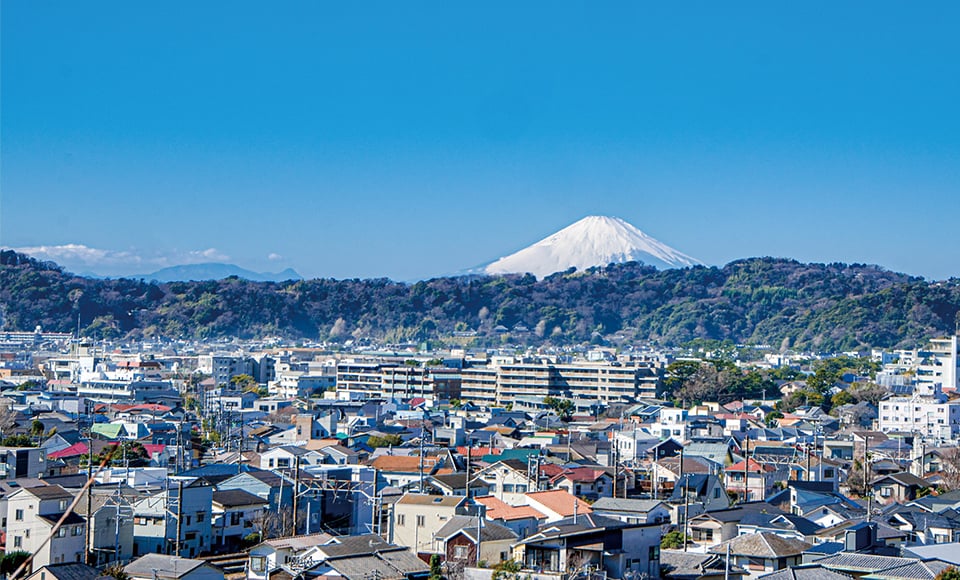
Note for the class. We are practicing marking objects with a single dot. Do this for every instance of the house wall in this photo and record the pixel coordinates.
(65, 547)
(414, 525)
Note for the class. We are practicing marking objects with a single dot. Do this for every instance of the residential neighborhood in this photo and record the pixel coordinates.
(281, 463)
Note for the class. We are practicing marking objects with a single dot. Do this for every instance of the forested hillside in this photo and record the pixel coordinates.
(778, 302)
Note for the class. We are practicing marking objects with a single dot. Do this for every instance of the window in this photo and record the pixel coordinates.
(26, 533)
(17, 542)
(460, 552)
(188, 520)
(18, 515)
(420, 521)
(77, 530)
(200, 517)
(63, 505)
(62, 532)
(258, 564)
(401, 519)
(235, 519)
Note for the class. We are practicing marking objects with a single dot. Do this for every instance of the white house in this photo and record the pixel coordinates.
(32, 513)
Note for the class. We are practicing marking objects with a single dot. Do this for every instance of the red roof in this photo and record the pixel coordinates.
(75, 450)
(153, 407)
(479, 451)
(153, 448)
(752, 466)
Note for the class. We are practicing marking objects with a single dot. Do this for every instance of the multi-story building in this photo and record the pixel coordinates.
(928, 416)
(223, 367)
(16, 462)
(504, 382)
(32, 514)
(160, 517)
(937, 368)
(387, 379)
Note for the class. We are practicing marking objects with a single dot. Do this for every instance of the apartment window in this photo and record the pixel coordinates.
(200, 517)
(17, 542)
(18, 515)
(420, 521)
(26, 533)
(189, 519)
(401, 519)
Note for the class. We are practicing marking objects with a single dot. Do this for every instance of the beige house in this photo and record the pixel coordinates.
(418, 517)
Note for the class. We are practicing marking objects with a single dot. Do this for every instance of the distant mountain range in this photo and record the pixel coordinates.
(593, 241)
(215, 271)
(768, 301)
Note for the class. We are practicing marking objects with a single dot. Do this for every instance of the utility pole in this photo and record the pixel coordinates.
(686, 513)
(296, 491)
(86, 528)
(179, 515)
(746, 469)
(423, 428)
(616, 468)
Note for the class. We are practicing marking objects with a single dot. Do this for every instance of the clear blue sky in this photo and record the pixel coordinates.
(411, 139)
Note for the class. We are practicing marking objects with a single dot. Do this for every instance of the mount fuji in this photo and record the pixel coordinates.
(592, 241)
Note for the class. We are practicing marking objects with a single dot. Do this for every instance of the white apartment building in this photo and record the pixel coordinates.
(223, 367)
(506, 381)
(927, 416)
(32, 513)
(937, 368)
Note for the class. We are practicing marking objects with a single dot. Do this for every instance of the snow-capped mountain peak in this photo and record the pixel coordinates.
(592, 241)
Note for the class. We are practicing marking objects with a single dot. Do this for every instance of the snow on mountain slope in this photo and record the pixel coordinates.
(592, 241)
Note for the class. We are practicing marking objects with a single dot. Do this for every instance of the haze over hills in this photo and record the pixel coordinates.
(592, 241)
(216, 271)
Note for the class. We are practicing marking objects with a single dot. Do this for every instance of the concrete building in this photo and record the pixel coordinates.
(32, 513)
(590, 383)
(223, 367)
(929, 416)
(156, 517)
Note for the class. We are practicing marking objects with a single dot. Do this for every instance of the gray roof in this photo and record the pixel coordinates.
(71, 571)
(946, 552)
(236, 497)
(762, 545)
(162, 566)
(808, 572)
(612, 504)
(342, 546)
(680, 564)
(915, 570)
(48, 492)
(357, 567)
(489, 531)
(854, 562)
